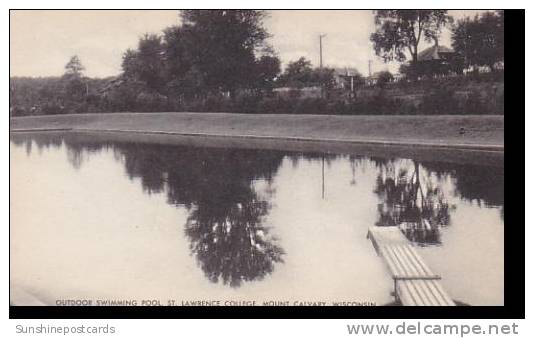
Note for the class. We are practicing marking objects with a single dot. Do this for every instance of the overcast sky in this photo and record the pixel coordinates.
(43, 41)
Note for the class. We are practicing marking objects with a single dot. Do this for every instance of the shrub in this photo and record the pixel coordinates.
(215, 103)
(440, 101)
(276, 105)
(248, 103)
(500, 103)
(383, 78)
(311, 106)
(52, 108)
(475, 105)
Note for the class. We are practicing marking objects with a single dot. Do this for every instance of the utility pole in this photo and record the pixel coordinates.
(321, 36)
(370, 61)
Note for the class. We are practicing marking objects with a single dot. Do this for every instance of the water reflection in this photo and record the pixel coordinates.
(229, 194)
(225, 224)
(226, 213)
(231, 243)
(475, 183)
(411, 200)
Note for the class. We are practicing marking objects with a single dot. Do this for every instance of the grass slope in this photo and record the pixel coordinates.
(444, 130)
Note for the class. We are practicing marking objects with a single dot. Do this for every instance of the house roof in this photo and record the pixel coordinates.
(433, 53)
(346, 71)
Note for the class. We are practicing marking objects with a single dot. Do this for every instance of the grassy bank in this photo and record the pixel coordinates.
(471, 131)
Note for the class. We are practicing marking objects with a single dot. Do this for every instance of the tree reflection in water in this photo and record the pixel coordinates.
(416, 204)
(474, 182)
(218, 187)
(228, 194)
(231, 243)
(226, 213)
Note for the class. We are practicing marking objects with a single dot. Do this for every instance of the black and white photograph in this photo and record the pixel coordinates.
(212, 158)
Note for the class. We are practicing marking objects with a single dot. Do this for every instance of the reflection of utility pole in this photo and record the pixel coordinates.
(323, 176)
(321, 36)
(353, 167)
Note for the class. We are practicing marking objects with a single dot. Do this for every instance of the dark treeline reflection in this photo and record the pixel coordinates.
(476, 183)
(225, 224)
(412, 200)
(228, 194)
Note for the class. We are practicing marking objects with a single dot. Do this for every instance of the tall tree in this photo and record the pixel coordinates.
(74, 67)
(267, 70)
(225, 46)
(178, 47)
(401, 30)
(146, 64)
(301, 74)
(74, 88)
(480, 40)
(297, 73)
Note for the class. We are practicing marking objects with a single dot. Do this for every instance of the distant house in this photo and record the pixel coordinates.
(373, 79)
(437, 54)
(437, 60)
(346, 78)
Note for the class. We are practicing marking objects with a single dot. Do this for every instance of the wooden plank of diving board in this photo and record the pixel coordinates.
(387, 235)
(402, 288)
(433, 288)
(437, 285)
(394, 269)
(436, 295)
(390, 261)
(414, 291)
(410, 271)
(417, 271)
(418, 292)
(403, 260)
(427, 286)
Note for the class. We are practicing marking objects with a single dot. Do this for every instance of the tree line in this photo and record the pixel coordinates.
(220, 60)
(477, 42)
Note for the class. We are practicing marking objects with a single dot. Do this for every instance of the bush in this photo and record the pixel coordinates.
(276, 105)
(473, 94)
(215, 103)
(310, 106)
(18, 111)
(383, 78)
(475, 105)
(440, 101)
(51, 108)
(500, 103)
(248, 103)
(151, 101)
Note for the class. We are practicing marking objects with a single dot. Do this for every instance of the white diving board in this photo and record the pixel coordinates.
(413, 281)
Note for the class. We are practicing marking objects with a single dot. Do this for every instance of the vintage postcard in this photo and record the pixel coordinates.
(215, 158)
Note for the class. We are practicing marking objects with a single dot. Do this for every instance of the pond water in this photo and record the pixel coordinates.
(112, 220)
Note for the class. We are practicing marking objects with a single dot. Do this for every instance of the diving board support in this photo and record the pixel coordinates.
(413, 281)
